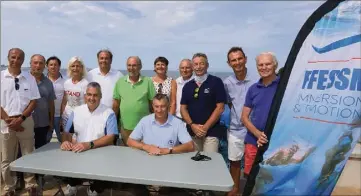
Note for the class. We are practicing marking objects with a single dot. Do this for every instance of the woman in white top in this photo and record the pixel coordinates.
(74, 88)
(164, 84)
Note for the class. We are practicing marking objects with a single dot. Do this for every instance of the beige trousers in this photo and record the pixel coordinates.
(9, 149)
(206, 144)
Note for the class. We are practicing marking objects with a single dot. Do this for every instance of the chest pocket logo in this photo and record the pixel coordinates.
(206, 90)
(171, 142)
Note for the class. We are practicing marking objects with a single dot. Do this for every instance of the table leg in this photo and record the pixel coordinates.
(40, 178)
(60, 190)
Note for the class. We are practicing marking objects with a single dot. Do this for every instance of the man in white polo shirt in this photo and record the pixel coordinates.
(105, 76)
(94, 126)
(186, 72)
(19, 92)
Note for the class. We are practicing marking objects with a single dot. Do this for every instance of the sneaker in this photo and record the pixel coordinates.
(70, 190)
(91, 193)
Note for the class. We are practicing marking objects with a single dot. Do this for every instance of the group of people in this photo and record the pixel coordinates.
(159, 114)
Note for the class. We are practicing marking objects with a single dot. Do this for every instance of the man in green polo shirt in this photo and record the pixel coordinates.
(132, 96)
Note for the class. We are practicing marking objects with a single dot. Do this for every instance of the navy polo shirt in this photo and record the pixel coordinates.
(259, 98)
(200, 109)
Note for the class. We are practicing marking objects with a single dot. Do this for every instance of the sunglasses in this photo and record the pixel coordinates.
(201, 157)
(160, 88)
(17, 86)
(196, 93)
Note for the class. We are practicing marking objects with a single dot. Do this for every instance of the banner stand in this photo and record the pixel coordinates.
(277, 100)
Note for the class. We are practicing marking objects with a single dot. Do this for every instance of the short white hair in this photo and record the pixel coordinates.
(71, 62)
(274, 59)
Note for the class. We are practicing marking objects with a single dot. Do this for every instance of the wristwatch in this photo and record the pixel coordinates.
(23, 117)
(170, 150)
(91, 145)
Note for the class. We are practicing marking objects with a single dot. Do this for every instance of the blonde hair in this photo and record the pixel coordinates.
(71, 62)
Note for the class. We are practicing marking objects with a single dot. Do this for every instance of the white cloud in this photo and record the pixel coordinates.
(150, 29)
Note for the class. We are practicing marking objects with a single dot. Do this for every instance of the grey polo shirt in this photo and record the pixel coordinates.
(41, 112)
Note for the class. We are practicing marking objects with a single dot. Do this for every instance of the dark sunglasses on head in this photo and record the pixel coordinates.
(196, 93)
(160, 88)
(17, 86)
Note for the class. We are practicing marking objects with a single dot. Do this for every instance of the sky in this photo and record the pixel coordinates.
(175, 30)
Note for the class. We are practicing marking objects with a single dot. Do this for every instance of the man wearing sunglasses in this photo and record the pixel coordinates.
(202, 104)
(19, 93)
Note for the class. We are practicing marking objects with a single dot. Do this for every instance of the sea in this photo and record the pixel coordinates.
(149, 73)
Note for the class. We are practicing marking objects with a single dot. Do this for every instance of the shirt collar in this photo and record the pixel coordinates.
(42, 77)
(100, 73)
(7, 74)
(96, 109)
(260, 84)
(60, 76)
(169, 120)
(182, 81)
(128, 80)
(246, 79)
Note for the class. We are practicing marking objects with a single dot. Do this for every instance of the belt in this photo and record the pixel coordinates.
(16, 116)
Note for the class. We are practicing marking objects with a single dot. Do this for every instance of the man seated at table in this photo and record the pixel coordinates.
(161, 133)
(94, 126)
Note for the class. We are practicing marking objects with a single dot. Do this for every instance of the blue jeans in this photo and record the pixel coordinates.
(56, 128)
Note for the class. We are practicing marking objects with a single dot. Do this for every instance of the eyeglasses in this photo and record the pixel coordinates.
(196, 93)
(160, 88)
(17, 86)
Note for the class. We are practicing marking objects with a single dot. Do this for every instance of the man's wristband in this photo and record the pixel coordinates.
(91, 145)
(23, 117)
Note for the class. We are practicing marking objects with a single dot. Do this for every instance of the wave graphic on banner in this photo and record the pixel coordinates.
(315, 119)
(338, 44)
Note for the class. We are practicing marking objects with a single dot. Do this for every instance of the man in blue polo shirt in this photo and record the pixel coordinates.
(257, 105)
(161, 133)
(202, 104)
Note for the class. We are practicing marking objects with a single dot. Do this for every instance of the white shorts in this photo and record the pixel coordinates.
(235, 148)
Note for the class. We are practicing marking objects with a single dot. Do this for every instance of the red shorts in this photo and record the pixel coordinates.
(250, 153)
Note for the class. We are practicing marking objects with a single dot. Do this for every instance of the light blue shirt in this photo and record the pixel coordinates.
(236, 94)
(167, 135)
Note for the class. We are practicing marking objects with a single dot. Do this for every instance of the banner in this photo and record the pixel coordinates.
(315, 120)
